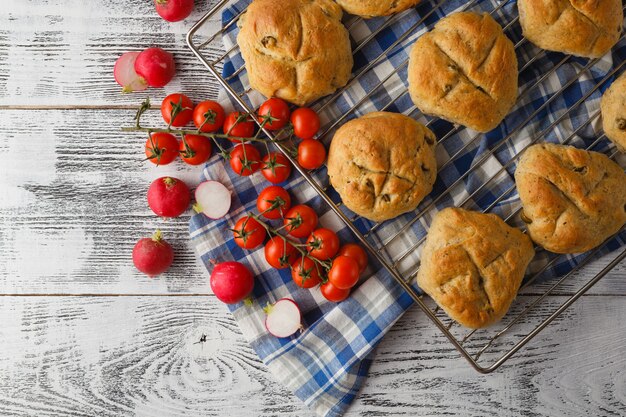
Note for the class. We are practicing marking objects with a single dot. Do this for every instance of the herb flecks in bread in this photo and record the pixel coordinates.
(613, 107)
(297, 50)
(573, 200)
(472, 265)
(373, 8)
(464, 71)
(382, 164)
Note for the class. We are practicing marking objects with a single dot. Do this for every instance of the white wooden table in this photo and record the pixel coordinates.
(82, 333)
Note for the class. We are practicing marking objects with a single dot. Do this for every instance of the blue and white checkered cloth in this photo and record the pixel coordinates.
(326, 364)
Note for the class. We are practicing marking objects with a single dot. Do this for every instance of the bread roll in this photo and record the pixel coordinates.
(372, 8)
(464, 71)
(614, 112)
(473, 264)
(382, 164)
(588, 28)
(572, 199)
(297, 50)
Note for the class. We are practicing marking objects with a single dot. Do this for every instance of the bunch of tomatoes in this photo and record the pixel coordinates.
(209, 118)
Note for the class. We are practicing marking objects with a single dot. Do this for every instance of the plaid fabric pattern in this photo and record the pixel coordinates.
(326, 364)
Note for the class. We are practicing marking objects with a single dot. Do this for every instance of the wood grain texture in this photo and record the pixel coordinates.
(140, 356)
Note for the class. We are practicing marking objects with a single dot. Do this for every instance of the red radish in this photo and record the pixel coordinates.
(231, 282)
(173, 10)
(283, 318)
(213, 199)
(155, 66)
(168, 197)
(125, 74)
(153, 256)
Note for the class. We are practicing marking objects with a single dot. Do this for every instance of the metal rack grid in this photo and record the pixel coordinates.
(525, 320)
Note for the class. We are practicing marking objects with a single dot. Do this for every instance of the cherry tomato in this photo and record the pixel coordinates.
(355, 251)
(300, 221)
(278, 110)
(208, 116)
(344, 273)
(305, 122)
(161, 148)
(245, 160)
(173, 10)
(183, 107)
(311, 154)
(273, 196)
(195, 149)
(276, 167)
(239, 125)
(334, 294)
(279, 253)
(248, 233)
(323, 244)
(305, 272)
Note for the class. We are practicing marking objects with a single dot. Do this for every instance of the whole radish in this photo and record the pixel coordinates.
(283, 318)
(173, 10)
(153, 256)
(231, 282)
(125, 74)
(168, 197)
(155, 66)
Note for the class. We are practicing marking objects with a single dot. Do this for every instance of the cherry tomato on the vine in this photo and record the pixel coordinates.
(179, 103)
(248, 233)
(334, 294)
(273, 202)
(278, 110)
(238, 125)
(195, 149)
(344, 273)
(276, 167)
(245, 159)
(208, 116)
(279, 253)
(300, 221)
(355, 251)
(311, 154)
(305, 122)
(161, 148)
(323, 244)
(305, 272)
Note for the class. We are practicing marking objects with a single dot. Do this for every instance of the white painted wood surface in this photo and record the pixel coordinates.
(72, 205)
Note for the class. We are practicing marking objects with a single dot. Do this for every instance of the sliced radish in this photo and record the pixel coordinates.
(213, 199)
(125, 74)
(283, 318)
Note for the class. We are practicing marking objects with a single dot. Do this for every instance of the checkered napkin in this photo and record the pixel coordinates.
(326, 364)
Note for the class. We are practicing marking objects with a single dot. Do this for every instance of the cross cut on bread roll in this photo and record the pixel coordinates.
(297, 50)
(572, 199)
(372, 8)
(614, 112)
(382, 164)
(464, 71)
(588, 28)
(472, 265)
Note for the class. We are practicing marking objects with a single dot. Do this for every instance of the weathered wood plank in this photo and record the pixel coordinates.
(139, 356)
(63, 52)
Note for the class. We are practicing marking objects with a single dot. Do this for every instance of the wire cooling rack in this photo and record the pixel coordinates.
(485, 349)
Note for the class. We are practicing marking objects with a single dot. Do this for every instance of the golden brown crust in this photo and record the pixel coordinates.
(473, 264)
(297, 50)
(464, 71)
(588, 28)
(614, 112)
(573, 200)
(372, 8)
(382, 164)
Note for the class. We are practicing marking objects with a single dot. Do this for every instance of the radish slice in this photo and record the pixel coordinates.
(213, 199)
(283, 318)
(125, 75)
